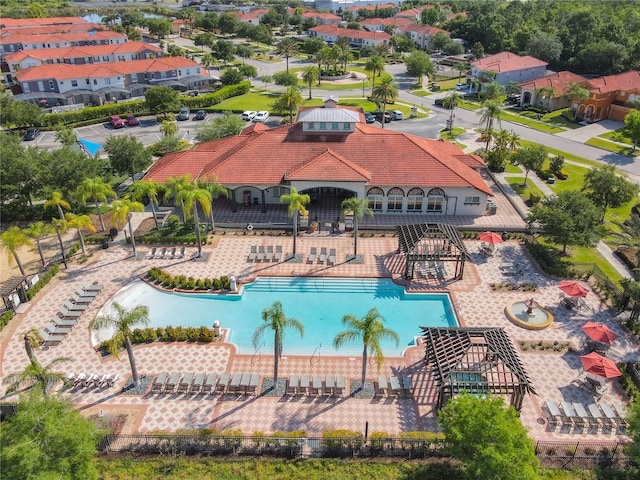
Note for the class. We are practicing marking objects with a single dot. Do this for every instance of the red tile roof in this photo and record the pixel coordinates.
(558, 81)
(387, 21)
(272, 156)
(35, 22)
(373, 7)
(324, 16)
(28, 39)
(49, 29)
(61, 71)
(80, 52)
(349, 33)
(622, 82)
(423, 29)
(507, 62)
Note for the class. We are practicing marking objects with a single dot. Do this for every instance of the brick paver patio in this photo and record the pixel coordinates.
(475, 302)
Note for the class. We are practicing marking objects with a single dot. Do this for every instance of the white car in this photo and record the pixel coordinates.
(461, 86)
(397, 115)
(248, 115)
(261, 116)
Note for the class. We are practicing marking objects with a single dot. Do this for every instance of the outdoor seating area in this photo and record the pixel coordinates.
(260, 253)
(395, 386)
(166, 253)
(316, 386)
(200, 383)
(592, 417)
(82, 380)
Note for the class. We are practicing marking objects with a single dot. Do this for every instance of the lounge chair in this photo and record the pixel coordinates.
(381, 386)
(161, 253)
(152, 253)
(53, 329)
(63, 322)
(183, 250)
(278, 255)
(87, 293)
(394, 385)
(49, 339)
(305, 385)
(223, 382)
(159, 382)
(80, 300)
(197, 383)
(235, 383)
(75, 307)
(79, 379)
(172, 383)
(113, 379)
(170, 255)
(316, 385)
(269, 255)
(98, 380)
(329, 385)
(341, 386)
(332, 256)
(89, 380)
(261, 253)
(253, 254)
(292, 385)
(313, 253)
(104, 380)
(209, 383)
(185, 383)
(64, 313)
(88, 287)
(253, 384)
(323, 255)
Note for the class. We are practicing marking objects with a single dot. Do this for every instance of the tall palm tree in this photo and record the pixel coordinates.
(544, 95)
(296, 202)
(375, 65)
(385, 92)
(36, 231)
(37, 376)
(491, 110)
(174, 186)
(12, 239)
(358, 207)
(169, 128)
(97, 190)
(370, 329)
(60, 226)
(56, 200)
(211, 183)
(79, 222)
(149, 189)
(345, 57)
(290, 100)
(32, 339)
(287, 47)
(121, 213)
(310, 75)
(191, 198)
(275, 319)
(575, 91)
(321, 58)
(462, 67)
(513, 141)
(123, 321)
(491, 91)
(451, 102)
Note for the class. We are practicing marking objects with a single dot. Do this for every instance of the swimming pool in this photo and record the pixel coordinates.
(319, 303)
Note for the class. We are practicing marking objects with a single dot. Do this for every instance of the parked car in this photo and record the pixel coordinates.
(116, 122)
(439, 102)
(184, 114)
(31, 134)
(132, 121)
(397, 115)
(248, 115)
(261, 116)
(369, 117)
(461, 86)
(387, 117)
(200, 115)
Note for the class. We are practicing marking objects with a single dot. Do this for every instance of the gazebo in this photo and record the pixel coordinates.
(429, 245)
(475, 360)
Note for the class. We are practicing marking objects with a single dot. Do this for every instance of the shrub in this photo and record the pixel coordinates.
(49, 274)
(534, 198)
(5, 318)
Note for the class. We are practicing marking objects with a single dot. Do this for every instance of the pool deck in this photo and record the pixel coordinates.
(476, 304)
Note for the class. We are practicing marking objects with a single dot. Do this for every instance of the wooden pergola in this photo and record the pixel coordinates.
(477, 361)
(428, 246)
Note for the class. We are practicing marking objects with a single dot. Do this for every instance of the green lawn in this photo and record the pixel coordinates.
(558, 119)
(531, 123)
(611, 147)
(526, 191)
(618, 136)
(511, 168)
(421, 93)
(566, 155)
(575, 177)
(452, 136)
(591, 255)
(469, 105)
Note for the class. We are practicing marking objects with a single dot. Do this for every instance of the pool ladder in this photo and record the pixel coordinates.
(317, 350)
(253, 357)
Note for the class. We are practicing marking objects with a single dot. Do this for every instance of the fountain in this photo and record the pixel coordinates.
(529, 314)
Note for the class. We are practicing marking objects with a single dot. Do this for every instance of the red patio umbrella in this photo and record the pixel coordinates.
(599, 332)
(599, 365)
(573, 288)
(490, 237)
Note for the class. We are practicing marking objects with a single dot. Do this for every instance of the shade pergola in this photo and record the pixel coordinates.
(425, 242)
(475, 360)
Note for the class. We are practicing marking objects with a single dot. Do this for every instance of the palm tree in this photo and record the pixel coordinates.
(191, 198)
(358, 207)
(97, 190)
(290, 100)
(491, 91)
(32, 339)
(451, 101)
(79, 222)
(123, 321)
(174, 186)
(385, 92)
(215, 188)
(208, 60)
(462, 67)
(169, 128)
(36, 376)
(513, 142)
(149, 189)
(60, 227)
(56, 200)
(371, 330)
(542, 94)
(12, 239)
(36, 231)
(121, 213)
(296, 202)
(375, 65)
(345, 57)
(491, 110)
(575, 91)
(321, 58)
(275, 319)
(310, 75)
(287, 47)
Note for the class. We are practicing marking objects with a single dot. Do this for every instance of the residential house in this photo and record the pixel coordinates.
(357, 38)
(549, 91)
(323, 18)
(371, 7)
(330, 153)
(421, 35)
(37, 22)
(507, 67)
(413, 13)
(379, 24)
(610, 97)
(253, 17)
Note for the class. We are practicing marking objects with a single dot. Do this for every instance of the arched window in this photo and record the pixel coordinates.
(435, 200)
(375, 195)
(395, 200)
(414, 200)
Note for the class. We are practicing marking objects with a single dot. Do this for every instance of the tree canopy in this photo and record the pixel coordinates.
(221, 127)
(127, 155)
(419, 64)
(632, 127)
(161, 99)
(607, 189)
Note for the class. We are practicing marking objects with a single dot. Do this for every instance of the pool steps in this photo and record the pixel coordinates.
(322, 284)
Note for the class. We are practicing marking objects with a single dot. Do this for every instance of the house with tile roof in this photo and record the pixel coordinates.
(508, 67)
(331, 154)
(323, 18)
(610, 97)
(35, 22)
(379, 24)
(421, 35)
(548, 92)
(357, 38)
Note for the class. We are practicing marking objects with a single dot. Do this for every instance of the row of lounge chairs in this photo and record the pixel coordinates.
(166, 253)
(266, 254)
(431, 270)
(578, 416)
(84, 380)
(67, 316)
(322, 257)
(305, 385)
(206, 384)
(393, 387)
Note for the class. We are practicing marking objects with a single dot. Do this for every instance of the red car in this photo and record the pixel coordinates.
(116, 122)
(132, 121)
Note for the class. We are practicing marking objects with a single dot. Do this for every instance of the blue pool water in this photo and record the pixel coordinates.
(318, 303)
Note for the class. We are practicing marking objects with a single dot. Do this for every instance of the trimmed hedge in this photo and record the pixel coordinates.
(5, 318)
(183, 282)
(52, 272)
(166, 334)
